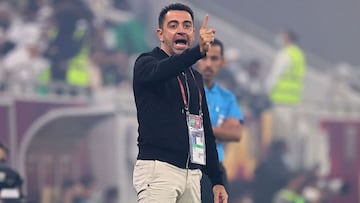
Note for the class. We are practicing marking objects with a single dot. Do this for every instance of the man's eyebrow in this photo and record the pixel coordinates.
(176, 21)
(187, 21)
(173, 21)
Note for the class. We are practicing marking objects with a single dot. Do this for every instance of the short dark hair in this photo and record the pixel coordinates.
(174, 7)
(219, 43)
(87, 180)
(68, 183)
(291, 35)
(278, 146)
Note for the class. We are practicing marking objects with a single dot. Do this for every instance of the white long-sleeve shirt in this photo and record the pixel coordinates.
(281, 63)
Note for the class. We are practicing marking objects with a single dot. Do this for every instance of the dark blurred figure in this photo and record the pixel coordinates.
(292, 193)
(71, 192)
(255, 96)
(10, 180)
(68, 50)
(272, 173)
(66, 193)
(113, 63)
(227, 79)
(111, 195)
(88, 190)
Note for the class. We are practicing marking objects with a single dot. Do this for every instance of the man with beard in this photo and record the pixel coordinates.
(175, 140)
(225, 115)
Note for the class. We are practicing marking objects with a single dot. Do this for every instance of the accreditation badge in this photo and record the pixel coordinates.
(196, 139)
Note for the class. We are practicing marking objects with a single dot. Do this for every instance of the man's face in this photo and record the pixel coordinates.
(210, 65)
(177, 33)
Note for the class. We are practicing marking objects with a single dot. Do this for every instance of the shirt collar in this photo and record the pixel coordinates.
(161, 52)
(213, 89)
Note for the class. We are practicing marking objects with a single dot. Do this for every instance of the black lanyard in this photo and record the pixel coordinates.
(187, 102)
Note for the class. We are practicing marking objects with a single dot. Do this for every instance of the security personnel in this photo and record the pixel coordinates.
(285, 83)
(285, 89)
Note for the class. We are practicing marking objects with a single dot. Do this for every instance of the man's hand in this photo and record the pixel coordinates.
(220, 194)
(229, 130)
(231, 122)
(207, 36)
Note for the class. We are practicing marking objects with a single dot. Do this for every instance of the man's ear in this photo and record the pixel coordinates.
(159, 33)
(224, 62)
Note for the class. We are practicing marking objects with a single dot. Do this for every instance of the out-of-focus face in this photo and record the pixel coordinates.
(3, 156)
(177, 33)
(210, 65)
(282, 39)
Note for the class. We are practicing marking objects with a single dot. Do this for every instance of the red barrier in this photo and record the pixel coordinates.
(344, 138)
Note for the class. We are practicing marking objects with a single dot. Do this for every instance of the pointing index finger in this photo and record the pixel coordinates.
(205, 22)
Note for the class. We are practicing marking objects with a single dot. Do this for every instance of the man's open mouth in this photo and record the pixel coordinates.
(181, 42)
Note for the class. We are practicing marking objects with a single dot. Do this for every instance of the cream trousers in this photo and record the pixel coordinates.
(161, 182)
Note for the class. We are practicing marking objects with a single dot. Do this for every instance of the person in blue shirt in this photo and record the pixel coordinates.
(225, 114)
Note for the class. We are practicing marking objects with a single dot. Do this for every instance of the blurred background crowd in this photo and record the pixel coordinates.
(67, 114)
(85, 44)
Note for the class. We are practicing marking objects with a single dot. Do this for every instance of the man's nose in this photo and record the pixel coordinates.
(181, 30)
(208, 61)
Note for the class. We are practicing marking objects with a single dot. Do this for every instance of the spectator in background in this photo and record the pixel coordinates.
(114, 39)
(285, 82)
(130, 35)
(6, 45)
(292, 192)
(69, 46)
(130, 38)
(255, 98)
(227, 76)
(111, 195)
(70, 192)
(252, 89)
(227, 79)
(4, 153)
(113, 63)
(225, 114)
(89, 190)
(24, 62)
(271, 174)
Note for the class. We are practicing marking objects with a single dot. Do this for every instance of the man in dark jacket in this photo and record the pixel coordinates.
(175, 138)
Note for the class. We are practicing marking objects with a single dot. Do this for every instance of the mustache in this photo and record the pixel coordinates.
(207, 68)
